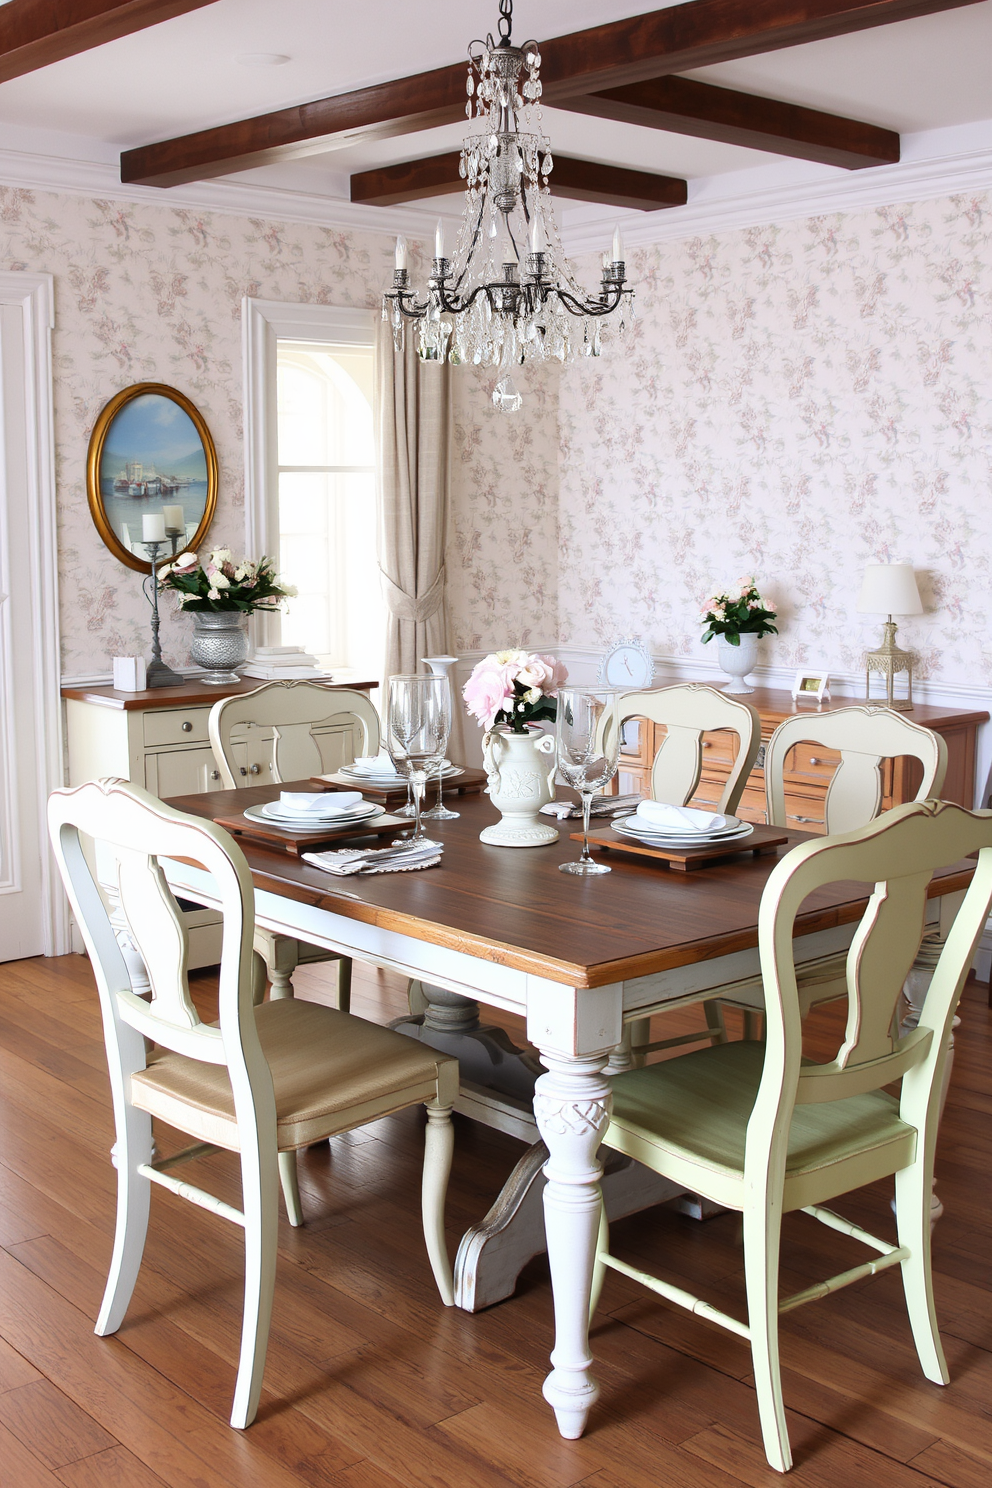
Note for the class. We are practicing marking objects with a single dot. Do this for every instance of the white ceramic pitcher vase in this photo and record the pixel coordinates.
(521, 770)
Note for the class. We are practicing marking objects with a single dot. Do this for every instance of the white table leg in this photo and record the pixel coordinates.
(572, 1105)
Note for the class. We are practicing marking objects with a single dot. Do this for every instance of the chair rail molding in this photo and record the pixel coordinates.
(263, 324)
(33, 295)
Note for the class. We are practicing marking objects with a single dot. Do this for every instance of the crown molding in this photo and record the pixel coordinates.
(937, 162)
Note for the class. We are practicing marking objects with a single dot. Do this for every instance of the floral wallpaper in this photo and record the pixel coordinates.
(153, 293)
(792, 402)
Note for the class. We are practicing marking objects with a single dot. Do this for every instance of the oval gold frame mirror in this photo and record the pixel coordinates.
(150, 452)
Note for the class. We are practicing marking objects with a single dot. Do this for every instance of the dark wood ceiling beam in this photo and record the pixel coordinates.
(577, 180)
(695, 34)
(36, 33)
(684, 106)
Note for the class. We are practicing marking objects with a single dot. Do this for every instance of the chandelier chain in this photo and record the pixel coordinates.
(505, 20)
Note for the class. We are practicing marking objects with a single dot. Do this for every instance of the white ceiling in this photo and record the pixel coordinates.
(183, 75)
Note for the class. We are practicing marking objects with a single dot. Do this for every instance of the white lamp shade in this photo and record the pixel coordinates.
(889, 589)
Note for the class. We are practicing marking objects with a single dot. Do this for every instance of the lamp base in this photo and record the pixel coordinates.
(887, 662)
(160, 675)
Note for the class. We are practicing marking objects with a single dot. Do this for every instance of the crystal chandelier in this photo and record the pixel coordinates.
(507, 295)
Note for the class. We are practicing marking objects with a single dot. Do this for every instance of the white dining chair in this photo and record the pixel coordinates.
(688, 711)
(289, 712)
(763, 1130)
(263, 1082)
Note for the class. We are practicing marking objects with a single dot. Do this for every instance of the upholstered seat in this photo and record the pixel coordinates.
(330, 1072)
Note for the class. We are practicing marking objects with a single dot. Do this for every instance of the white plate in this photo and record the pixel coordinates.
(733, 824)
(339, 819)
(697, 840)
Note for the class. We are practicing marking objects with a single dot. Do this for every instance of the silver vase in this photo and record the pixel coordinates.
(219, 643)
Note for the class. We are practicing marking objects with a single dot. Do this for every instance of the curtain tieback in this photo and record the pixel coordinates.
(405, 607)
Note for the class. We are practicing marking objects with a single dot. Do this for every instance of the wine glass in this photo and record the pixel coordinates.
(587, 735)
(440, 812)
(418, 716)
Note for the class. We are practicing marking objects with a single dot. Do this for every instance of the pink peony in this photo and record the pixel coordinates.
(558, 677)
(488, 691)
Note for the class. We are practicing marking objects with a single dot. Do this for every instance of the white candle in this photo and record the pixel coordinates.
(536, 237)
(509, 257)
(153, 527)
(401, 253)
(439, 240)
(617, 245)
(174, 518)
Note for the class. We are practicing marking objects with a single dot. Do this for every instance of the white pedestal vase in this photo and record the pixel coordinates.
(521, 770)
(737, 661)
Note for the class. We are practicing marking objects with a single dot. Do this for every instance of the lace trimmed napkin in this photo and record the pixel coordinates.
(344, 861)
(601, 806)
(686, 819)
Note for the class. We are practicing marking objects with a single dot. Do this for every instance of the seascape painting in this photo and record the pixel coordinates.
(151, 453)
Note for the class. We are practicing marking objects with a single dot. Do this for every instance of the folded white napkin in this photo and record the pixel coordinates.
(373, 764)
(656, 814)
(318, 803)
(399, 859)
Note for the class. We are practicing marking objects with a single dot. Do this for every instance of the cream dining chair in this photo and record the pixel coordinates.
(759, 1128)
(263, 1082)
(688, 711)
(864, 738)
(289, 711)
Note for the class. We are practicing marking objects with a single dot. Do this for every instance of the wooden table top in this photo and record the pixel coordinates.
(512, 906)
(192, 693)
(776, 703)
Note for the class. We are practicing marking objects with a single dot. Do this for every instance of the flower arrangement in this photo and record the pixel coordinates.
(515, 688)
(733, 615)
(225, 583)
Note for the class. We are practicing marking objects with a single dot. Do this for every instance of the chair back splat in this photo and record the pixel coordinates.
(687, 712)
(291, 711)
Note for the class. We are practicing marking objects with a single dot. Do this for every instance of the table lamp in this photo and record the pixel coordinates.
(890, 589)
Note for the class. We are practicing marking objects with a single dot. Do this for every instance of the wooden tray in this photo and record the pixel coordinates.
(297, 843)
(468, 782)
(684, 859)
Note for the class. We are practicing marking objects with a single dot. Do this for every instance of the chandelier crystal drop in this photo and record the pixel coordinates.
(507, 294)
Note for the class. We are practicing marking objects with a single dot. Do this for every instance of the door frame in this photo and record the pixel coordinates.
(34, 295)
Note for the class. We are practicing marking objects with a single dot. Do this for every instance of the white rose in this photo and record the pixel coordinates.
(220, 581)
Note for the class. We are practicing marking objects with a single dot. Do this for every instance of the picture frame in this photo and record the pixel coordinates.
(811, 686)
(150, 449)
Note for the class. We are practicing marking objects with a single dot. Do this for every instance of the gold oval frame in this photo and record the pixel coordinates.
(94, 455)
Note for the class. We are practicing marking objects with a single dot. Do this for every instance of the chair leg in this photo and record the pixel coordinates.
(260, 1203)
(598, 1269)
(761, 1248)
(439, 1146)
(289, 1178)
(713, 1011)
(134, 1146)
(913, 1189)
(344, 984)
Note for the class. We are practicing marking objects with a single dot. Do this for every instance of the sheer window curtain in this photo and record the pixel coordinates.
(413, 440)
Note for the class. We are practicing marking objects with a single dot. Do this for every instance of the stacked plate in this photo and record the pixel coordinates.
(732, 829)
(314, 821)
(387, 777)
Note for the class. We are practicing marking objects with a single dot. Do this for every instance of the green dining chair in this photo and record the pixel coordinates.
(761, 1129)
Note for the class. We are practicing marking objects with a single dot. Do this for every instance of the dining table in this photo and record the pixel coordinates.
(576, 957)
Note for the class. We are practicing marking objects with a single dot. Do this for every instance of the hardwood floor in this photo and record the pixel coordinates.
(370, 1383)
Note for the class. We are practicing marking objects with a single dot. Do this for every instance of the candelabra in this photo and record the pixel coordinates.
(158, 674)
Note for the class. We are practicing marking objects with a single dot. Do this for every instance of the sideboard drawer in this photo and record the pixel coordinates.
(811, 762)
(175, 726)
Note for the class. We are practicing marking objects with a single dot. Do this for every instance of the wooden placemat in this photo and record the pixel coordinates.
(684, 859)
(271, 834)
(467, 783)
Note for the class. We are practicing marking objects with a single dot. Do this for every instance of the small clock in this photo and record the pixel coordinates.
(627, 664)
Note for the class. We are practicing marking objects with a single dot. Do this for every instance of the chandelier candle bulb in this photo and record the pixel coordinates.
(400, 253)
(153, 527)
(617, 245)
(438, 241)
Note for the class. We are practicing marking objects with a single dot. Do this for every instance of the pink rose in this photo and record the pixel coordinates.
(559, 674)
(487, 692)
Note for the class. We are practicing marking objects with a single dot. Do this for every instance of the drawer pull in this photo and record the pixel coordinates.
(242, 769)
(187, 727)
(816, 820)
(814, 761)
(214, 774)
(254, 769)
(706, 744)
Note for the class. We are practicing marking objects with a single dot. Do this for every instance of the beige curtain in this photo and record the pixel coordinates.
(413, 435)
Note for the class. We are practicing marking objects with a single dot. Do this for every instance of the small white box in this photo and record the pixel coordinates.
(129, 673)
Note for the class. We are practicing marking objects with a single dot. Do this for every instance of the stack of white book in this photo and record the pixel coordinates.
(282, 663)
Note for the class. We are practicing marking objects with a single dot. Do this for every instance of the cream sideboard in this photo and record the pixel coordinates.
(159, 739)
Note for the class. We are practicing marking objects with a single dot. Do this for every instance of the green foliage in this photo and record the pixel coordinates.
(225, 583)
(732, 615)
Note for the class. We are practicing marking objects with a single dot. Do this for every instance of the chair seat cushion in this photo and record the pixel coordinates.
(697, 1107)
(328, 1068)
